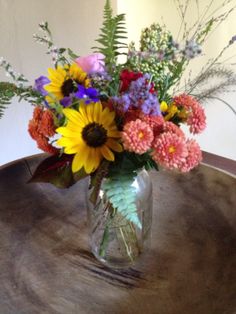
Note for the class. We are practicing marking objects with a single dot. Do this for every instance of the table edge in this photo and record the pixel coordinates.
(209, 159)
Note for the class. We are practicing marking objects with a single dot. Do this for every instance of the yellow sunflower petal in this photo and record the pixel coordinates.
(107, 153)
(107, 117)
(53, 89)
(77, 163)
(67, 132)
(68, 141)
(81, 158)
(87, 83)
(57, 75)
(75, 70)
(97, 157)
(82, 111)
(74, 127)
(114, 145)
(89, 165)
(71, 149)
(113, 133)
(97, 111)
(89, 112)
(74, 116)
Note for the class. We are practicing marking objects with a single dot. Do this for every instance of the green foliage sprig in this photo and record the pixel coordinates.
(10, 90)
(113, 32)
(7, 92)
(59, 55)
(122, 194)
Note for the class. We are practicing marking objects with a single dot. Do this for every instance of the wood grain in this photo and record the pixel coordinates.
(220, 162)
(47, 267)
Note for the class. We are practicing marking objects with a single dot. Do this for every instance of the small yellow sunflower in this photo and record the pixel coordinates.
(64, 81)
(91, 134)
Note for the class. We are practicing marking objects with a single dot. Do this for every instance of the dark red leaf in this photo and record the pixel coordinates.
(56, 170)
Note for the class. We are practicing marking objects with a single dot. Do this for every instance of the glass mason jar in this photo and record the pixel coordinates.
(116, 240)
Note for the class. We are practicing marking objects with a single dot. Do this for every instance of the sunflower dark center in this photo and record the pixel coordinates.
(94, 134)
(68, 87)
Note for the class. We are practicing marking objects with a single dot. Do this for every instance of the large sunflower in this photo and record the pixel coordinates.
(64, 81)
(91, 134)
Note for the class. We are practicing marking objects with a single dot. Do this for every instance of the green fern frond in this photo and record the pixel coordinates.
(111, 38)
(121, 194)
(7, 92)
(3, 106)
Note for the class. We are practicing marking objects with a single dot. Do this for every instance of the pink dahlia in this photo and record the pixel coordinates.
(173, 128)
(194, 156)
(197, 120)
(196, 117)
(170, 150)
(137, 136)
(184, 100)
(155, 122)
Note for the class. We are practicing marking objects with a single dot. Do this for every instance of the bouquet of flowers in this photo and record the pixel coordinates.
(104, 119)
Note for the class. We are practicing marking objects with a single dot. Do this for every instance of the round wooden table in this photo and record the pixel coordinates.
(47, 267)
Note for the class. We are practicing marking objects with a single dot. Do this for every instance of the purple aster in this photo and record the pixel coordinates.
(39, 84)
(141, 97)
(123, 102)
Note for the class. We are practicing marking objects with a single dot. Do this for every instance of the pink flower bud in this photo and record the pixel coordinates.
(93, 63)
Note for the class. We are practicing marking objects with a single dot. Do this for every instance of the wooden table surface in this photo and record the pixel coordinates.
(47, 267)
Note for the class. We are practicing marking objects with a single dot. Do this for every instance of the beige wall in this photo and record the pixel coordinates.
(75, 24)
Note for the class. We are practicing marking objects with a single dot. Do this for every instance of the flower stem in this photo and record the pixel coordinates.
(104, 242)
(128, 250)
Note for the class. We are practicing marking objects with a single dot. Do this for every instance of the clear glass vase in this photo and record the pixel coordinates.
(115, 239)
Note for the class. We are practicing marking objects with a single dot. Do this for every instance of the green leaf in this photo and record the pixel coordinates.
(71, 54)
(122, 195)
(130, 162)
(56, 170)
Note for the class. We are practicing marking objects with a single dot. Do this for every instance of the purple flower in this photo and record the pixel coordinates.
(89, 94)
(66, 101)
(39, 84)
(192, 49)
(123, 102)
(141, 97)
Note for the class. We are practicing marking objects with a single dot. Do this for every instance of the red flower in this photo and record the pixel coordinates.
(127, 77)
